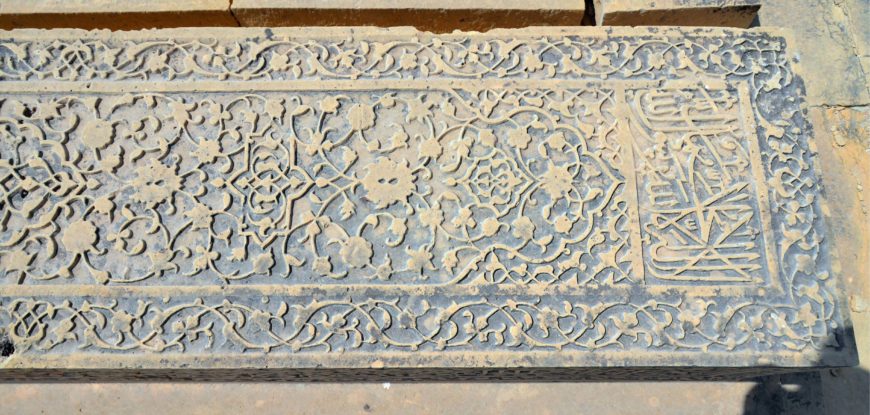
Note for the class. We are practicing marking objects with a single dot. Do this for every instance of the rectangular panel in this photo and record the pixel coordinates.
(547, 199)
(701, 187)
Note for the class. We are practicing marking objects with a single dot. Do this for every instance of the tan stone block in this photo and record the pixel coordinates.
(844, 152)
(114, 14)
(831, 42)
(437, 16)
(342, 203)
(722, 13)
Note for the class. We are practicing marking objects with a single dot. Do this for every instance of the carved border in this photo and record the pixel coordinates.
(805, 321)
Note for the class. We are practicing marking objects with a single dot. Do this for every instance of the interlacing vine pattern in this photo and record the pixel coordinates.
(465, 192)
(207, 191)
(411, 323)
(272, 56)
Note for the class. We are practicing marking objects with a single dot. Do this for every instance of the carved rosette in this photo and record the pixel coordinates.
(511, 191)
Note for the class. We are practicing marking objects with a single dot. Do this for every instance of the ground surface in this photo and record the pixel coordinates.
(835, 56)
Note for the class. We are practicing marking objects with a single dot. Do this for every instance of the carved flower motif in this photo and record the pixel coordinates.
(79, 237)
(329, 104)
(486, 137)
(384, 271)
(534, 63)
(263, 263)
(548, 318)
(181, 112)
(408, 61)
(207, 150)
(218, 113)
(793, 213)
(490, 226)
(419, 260)
(201, 216)
(322, 265)
(156, 62)
(556, 181)
(279, 61)
(122, 321)
(465, 217)
(519, 138)
(557, 141)
(656, 60)
(432, 217)
(523, 228)
(356, 252)
(563, 224)
(155, 183)
(361, 117)
(430, 148)
(203, 258)
(806, 316)
(693, 311)
(275, 108)
(161, 261)
(387, 182)
(418, 109)
(104, 205)
(97, 134)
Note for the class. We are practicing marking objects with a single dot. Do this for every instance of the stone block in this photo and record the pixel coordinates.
(546, 203)
(721, 13)
(829, 39)
(440, 16)
(114, 14)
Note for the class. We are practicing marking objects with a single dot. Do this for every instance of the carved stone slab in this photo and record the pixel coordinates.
(348, 199)
(722, 13)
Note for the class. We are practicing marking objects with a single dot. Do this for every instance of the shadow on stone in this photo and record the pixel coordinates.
(837, 391)
(6, 347)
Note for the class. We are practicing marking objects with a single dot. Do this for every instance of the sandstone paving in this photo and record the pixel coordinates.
(727, 13)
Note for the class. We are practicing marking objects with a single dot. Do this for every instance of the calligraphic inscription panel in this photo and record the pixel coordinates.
(701, 194)
(387, 198)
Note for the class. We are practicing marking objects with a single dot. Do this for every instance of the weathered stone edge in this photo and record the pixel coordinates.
(738, 15)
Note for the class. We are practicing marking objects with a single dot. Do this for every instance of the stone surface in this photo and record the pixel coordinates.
(623, 398)
(723, 13)
(548, 198)
(844, 390)
(830, 44)
(440, 16)
(114, 14)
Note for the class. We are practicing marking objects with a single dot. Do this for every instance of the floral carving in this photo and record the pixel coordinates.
(324, 190)
(155, 183)
(387, 182)
(475, 171)
(79, 237)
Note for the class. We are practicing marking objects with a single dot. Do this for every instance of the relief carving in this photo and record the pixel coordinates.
(513, 187)
(646, 190)
(698, 197)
